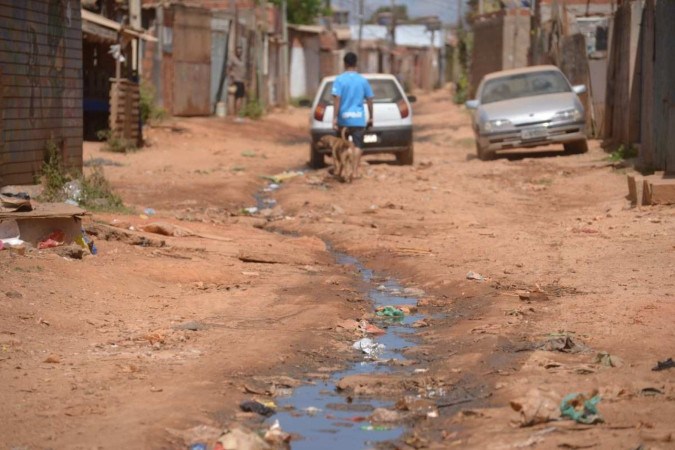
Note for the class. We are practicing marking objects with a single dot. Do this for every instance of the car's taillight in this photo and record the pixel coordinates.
(403, 108)
(320, 111)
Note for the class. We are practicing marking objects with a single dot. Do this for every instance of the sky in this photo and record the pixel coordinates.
(445, 9)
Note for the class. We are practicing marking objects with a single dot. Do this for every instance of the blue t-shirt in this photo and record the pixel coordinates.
(353, 89)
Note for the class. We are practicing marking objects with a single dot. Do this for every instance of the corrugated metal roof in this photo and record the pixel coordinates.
(406, 35)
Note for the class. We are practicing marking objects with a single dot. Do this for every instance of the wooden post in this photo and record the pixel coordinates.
(284, 55)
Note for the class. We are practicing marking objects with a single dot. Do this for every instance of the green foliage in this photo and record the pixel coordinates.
(303, 12)
(150, 112)
(461, 90)
(115, 143)
(53, 176)
(95, 192)
(623, 152)
(253, 109)
(465, 47)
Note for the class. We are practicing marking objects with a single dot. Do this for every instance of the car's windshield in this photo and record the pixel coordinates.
(523, 85)
(385, 91)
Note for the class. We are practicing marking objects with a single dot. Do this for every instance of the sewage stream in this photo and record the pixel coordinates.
(326, 419)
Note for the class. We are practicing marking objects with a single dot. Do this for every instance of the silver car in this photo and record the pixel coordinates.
(528, 107)
(392, 130)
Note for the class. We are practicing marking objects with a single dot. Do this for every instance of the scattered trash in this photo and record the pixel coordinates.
(375, 428)
(475, 276)
(73, 191)
(373, 329)
(54, 239)
(198, 446)
(581, 408)
(271, 187)
(369, 347)
(250, 210)
(664, 365)
(563, 343)
(257, 407)
(608, 360)
(240, 439)
(276, 436)
(651, 391)
(149, 211)
(248, 154)
(19, 202)
(283, 176)
(390, 311)
(312, 411)
(536, 407)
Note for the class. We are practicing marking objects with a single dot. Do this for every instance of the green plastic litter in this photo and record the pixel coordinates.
(569, 407)
(390, 311)
(375, 428)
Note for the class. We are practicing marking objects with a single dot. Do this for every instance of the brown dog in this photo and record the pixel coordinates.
(345, 155)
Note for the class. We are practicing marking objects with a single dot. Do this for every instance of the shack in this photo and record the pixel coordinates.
(40, 86)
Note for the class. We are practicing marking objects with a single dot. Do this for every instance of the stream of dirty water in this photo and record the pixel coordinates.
(327, 419)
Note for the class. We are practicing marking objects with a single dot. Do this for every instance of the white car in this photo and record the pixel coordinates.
(392, 130)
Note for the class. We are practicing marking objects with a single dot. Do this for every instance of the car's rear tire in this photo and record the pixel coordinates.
(577, 147)
(316, 160)
(406, 157)
(483, 154)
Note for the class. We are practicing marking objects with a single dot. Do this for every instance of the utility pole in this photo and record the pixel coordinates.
(284, 54)
(360, 26)
(392, 36)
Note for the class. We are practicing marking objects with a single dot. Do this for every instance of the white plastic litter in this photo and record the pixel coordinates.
(369, 347)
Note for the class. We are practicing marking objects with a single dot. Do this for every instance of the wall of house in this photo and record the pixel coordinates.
(40, 86)
(488, 34)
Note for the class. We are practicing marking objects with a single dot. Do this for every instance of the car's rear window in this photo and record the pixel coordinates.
(523, 85)
(385, 91)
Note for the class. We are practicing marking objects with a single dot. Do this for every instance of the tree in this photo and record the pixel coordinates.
(303, 12)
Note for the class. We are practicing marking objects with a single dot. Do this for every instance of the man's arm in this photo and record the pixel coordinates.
(369, 102)
(336, 111)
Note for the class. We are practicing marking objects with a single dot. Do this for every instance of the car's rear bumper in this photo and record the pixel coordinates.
(555, 134)
(389, 140)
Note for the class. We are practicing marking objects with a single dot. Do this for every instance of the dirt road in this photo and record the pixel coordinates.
(157, 335)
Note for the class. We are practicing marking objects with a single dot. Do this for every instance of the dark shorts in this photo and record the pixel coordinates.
(356, 133)
(241, 90)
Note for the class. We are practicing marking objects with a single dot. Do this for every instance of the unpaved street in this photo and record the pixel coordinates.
(156, 335)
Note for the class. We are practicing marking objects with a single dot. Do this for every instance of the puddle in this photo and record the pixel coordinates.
(324, 418)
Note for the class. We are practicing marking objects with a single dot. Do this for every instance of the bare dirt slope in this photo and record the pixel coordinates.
(160, 333)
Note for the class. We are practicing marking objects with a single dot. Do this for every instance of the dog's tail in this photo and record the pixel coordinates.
(344, 133)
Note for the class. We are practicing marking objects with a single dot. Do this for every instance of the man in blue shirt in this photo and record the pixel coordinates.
(350, 89)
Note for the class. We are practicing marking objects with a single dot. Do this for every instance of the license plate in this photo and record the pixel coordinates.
(370, 139)
(533, 133)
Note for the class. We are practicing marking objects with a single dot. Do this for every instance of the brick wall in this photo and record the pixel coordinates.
(40, 85)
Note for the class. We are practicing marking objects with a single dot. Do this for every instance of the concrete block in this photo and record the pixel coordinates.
(660, 191)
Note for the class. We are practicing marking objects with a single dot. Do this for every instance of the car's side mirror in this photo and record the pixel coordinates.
(579, 89)
(412, 98)
(472, 104)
